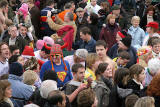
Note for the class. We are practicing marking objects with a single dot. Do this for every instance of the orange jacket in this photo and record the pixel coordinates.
(62, 14)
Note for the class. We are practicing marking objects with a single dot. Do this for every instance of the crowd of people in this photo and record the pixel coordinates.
(79, 53)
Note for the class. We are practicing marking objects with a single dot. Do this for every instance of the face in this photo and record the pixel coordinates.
(5, 9)
(88, 19)
(66, 19)
(122, 46)
(80, 74)
(112, 21)
(13, 32)
(44, 55)
(73, 6)
(135, 23)
(21, 60)
(141, 76)
(101, 51)
(148, 29)
(80, 14)
(16, 52)
(108, 72)
(5, 51)
(83, 36)
(123, 62)
(150, 13)
(116, 12)
(156, 48)
(118, 38)
(8, 92)
(23, 31)
(93, 2)
(56, 58)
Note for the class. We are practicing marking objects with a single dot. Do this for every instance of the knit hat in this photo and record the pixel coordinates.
(56, 49)
(39, 44)
(153, 25)
(24, 9)
(115, 7)
(16, 69)
(126, 38)
(28, 52)
(46, 87)
(81, 53)
(48, 40)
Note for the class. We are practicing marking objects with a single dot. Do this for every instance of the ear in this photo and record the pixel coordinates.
(135, 76)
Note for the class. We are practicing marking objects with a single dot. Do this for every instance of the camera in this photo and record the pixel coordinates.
(55, 11)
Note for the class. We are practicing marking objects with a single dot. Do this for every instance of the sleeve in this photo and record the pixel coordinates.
(53, 25)
(101, 34)
(142, 37)
(99, 94)
(69, 70)
(43, 68)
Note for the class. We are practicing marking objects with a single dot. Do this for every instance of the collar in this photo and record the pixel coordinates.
(155, 55)
(139, 83)
(14, 77)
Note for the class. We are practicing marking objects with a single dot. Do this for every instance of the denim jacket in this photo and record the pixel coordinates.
(138, 35)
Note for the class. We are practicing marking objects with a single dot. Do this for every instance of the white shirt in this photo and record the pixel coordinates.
(93, 9)
(4, 67)
(37, 55)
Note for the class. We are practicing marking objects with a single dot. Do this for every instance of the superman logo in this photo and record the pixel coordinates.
(61, 75)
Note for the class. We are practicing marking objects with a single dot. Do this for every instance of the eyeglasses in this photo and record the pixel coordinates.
(56, 56)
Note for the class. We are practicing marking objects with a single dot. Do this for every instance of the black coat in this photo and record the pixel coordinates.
(4, 104)
(133, 85)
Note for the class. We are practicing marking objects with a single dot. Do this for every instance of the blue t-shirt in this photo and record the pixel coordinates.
(63, 76)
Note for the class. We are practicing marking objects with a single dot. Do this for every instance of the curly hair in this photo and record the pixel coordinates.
(153, 88)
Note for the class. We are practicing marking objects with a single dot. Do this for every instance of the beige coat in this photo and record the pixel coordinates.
(59, 24)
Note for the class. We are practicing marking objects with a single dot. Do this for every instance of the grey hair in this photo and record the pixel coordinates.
(9, 28)
(154, 65)
(46, 87)
(70, 16)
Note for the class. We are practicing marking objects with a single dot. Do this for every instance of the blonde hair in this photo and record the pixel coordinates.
(29, 77)
(91, 59)
(145, 102)
(135, 18)
(110, 16)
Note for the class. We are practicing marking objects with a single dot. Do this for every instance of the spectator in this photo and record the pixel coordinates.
(57, 64)
(19, 89)
(131, 100)
(16, 58)
(79, 56)
(14, 50)
(75, 86)
(156, 48)
(88, 41)
(136, 32)
(145, 102)
(4, 55)
(108, 33)
(153, 90)
(6, 94)
(14, 39)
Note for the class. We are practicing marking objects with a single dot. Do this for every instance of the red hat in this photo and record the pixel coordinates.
(153, 24)
(28, 51)
(56, 49)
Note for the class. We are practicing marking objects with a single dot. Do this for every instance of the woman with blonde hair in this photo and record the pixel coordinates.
(5, 94)
(144, 55)
(145, 102)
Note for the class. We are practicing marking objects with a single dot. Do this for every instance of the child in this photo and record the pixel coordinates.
(137, 76)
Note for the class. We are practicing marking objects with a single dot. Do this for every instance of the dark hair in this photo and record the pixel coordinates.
(50, 75)
(1, 44)
(120, 73)
(70, 16)
(94, 18)
(131, 100)
(135, 69)
(13, 48)
(150, 40)
(46, 50)
(101, 68)
(55, 97)
(85, 30)
(50, 2)
(124, 55)
(3, 3)
(4, 77)
(75, 67)
(101, 43)
(13, 58)
(150, 8)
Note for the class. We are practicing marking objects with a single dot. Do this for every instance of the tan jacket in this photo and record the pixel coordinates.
(59, 24)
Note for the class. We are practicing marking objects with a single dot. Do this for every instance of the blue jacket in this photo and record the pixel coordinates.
(19, 90)
(59, 69)
(113, 52)
(138, 36)
(89, 46)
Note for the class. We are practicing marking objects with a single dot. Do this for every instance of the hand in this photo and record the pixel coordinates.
(89, 80)
(49, 14)
(82, 87)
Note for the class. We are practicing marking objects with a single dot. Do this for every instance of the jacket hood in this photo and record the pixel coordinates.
(122, 93)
